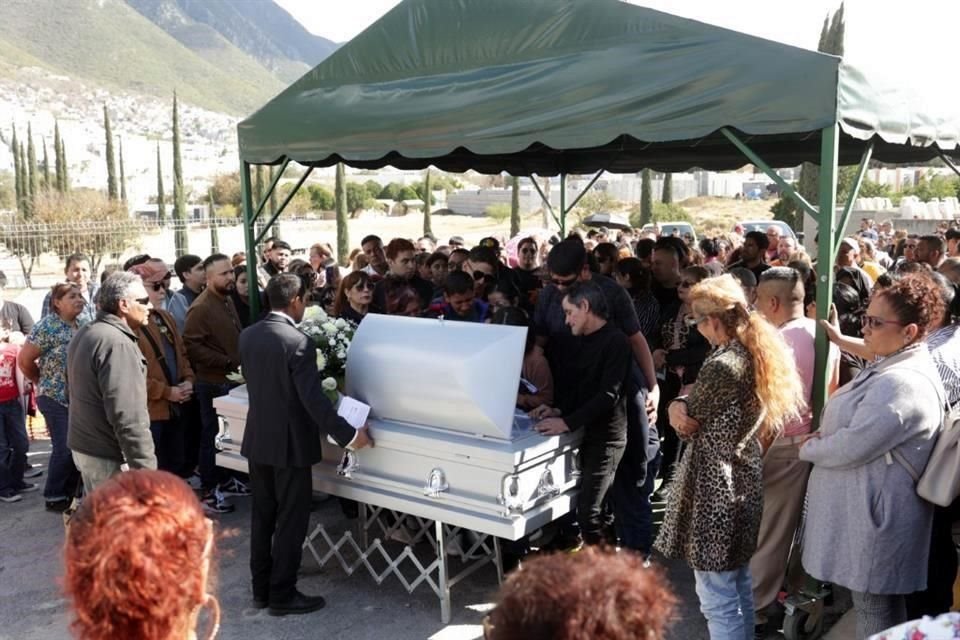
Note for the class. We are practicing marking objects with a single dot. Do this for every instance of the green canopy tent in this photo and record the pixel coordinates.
(553, 87)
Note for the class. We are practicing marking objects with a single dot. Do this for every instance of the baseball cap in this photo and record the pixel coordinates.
(153, 270)
(490, 243)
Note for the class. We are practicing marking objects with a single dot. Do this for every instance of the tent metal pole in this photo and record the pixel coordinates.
(947, 160)
(585, 189)
(773, 175)
(266, 196)
(546, 200)
(851, 199)
(563, 205)
(826, 226)
(249, 241)
(283, 205)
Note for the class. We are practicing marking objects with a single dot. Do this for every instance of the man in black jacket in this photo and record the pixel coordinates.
(287, 416)
(601, 362)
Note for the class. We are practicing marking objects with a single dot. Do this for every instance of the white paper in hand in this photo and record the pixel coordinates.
(353, 411)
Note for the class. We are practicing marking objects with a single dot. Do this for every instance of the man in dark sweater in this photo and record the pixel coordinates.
(598, 403)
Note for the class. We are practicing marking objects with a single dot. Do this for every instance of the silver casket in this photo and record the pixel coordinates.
(450, 445)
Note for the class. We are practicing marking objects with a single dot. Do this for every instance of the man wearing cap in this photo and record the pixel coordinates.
(156, 279)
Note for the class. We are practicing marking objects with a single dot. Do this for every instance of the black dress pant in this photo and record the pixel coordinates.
(670, 441)
(280, 517)
(598, 466)
(937, 598)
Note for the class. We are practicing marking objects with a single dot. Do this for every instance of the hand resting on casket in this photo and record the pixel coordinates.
(363, 439)
(551, 427)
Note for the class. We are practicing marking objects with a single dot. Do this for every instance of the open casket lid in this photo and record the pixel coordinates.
(457, 376)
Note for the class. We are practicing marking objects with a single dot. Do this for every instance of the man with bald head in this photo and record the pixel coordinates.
(773, 238)
(780, 302)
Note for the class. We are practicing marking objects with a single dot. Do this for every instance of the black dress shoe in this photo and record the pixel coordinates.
(297, 605)
(260, 603)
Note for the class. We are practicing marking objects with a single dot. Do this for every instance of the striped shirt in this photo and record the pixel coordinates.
(944, 346)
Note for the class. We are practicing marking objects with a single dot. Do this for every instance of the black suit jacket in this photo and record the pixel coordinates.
(288, 412)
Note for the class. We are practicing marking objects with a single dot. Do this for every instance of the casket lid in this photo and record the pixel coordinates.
(456, 376)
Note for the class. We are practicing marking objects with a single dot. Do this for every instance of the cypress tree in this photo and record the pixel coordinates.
(343, 231)
(66, 172)
(46, 165)
(25, 182)
(275, 230)
(32, 172)
(111, 164)
(646, 198)
(17, 170)
(427, 222)
(258, 190)
(123, 177)
(514, 206)
(161, 198)
(57, 159)
(667, 196)
(180, 239)
(214, 234)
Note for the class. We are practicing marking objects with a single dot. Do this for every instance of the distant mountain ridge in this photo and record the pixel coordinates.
(260, 28)
(228, 56)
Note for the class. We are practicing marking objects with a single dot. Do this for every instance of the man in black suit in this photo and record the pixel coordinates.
(287, 416)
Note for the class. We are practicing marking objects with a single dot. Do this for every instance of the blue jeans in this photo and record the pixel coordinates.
(205, 392)
(632, 506)
(62, 474)
(726, 600)
(13, 446)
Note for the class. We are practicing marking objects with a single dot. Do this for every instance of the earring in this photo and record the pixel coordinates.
(210, 600)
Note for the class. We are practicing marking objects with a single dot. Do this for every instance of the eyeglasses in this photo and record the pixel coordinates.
(564, 283)
(143, 301)
(686, 284)
(480, 275)
(876, 323)
(157, 286)
(369, 286)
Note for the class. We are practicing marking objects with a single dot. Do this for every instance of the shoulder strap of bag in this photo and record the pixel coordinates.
(160, 356)
(945, 423)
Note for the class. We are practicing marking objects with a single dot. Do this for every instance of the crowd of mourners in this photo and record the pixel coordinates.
(688, 363)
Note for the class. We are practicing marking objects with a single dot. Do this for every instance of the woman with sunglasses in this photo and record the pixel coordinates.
(43, 359)
(746, 391)
(353, 297)
(678, 353)
(867, 529)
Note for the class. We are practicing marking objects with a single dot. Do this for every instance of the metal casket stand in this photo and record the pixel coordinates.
(453, 465)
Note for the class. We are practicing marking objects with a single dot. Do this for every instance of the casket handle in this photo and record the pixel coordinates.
(509, 496)
(348, 464)
(436, 483)
(546, 486)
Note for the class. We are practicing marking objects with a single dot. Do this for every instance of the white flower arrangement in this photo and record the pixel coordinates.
(332, 338)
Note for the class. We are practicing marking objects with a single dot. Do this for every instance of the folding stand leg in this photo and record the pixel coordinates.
(498, 559)
(443, 581)
(364, 533)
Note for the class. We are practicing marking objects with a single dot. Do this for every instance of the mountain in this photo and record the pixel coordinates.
(260, 28)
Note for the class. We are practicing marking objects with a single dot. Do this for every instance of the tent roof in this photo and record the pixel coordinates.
(549, 86)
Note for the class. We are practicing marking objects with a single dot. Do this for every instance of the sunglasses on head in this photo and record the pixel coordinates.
(480, 275)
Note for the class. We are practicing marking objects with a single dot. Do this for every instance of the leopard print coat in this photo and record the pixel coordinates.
(716, 499)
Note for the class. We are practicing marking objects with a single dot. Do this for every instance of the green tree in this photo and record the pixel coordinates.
(275, 230)
(358, 197)
(66, 166)
(111, 163)
(25, 182)
(498, 212)
(46, 166)
(8, 193)
(321, 198)
(343, 230)
(181, 239)
(514, 205)
(667, 195)
(428, 194)
(646, 198)
(123, 175)
(32, 171)
(214, 234)
(57, 156)
(391, 192)
(17, 170)
(259, 189)
(373, 188)
(407, 193)
(161, 197)
(226, 189)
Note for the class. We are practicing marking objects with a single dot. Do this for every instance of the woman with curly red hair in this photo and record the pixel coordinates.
(137, 557)
(594, 594)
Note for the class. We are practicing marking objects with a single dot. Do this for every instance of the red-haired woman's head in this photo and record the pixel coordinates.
(137, 558)
(590, 595)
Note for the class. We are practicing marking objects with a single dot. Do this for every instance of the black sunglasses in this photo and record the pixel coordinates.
(369, 286)
(157, 286)
(143, 301)
(480, 275)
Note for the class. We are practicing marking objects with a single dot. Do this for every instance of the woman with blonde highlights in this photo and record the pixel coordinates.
(747, 389)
